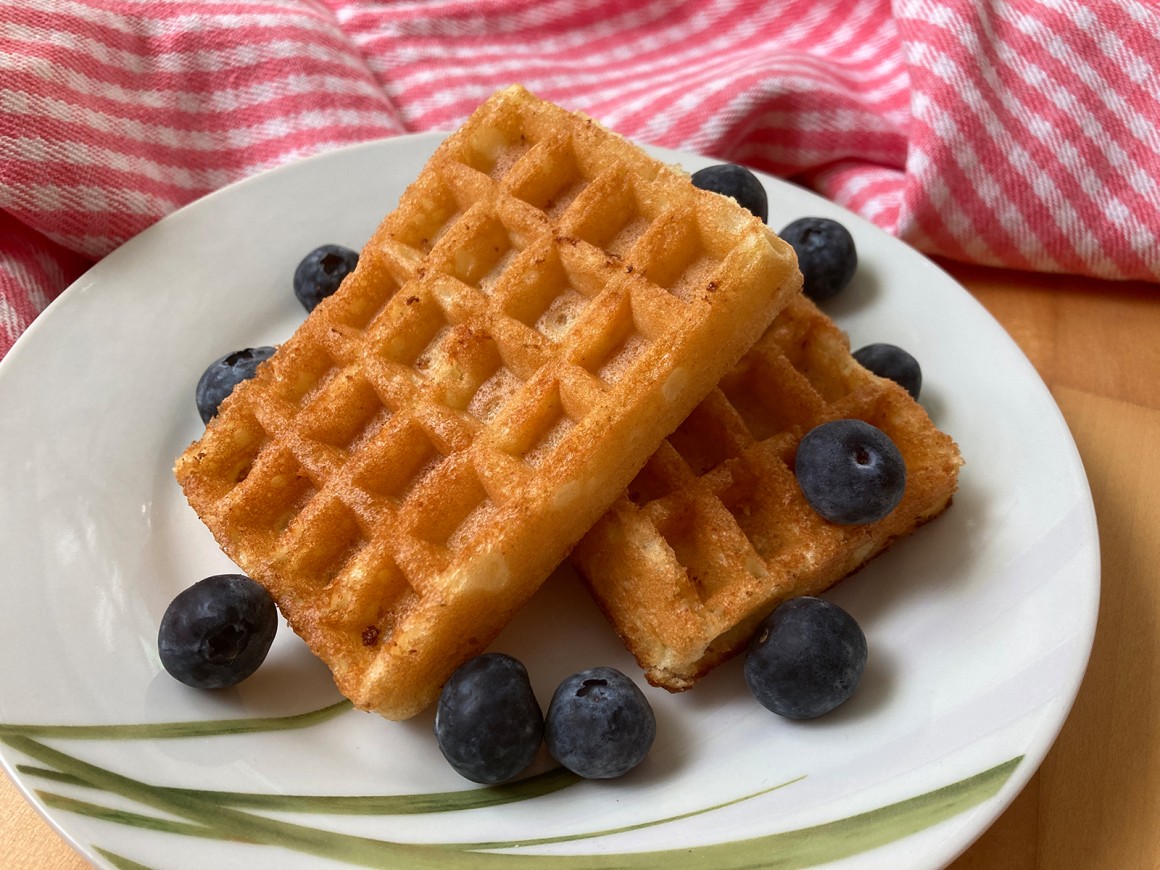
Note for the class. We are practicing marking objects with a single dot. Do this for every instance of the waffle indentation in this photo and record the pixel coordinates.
(552, 182)
(769, 395)
(445, 501)
(537, 429)
(401, 458)
(610, 215)
(550, 437)
(369, 595)
(358, 310)
(674, 256)
(425, 319)
(660, 476)
(708, 436)
(274, 492)
(323, 539)
(460, 360)
(493, 394)
(494, 151)
(346, 413)
(764, 527)
(483, 260)
(313, 365)
(227, 462)
(812, 360)
(564, 310)
(421, 226)
(551, 298)
(615, 340)
(688, 531)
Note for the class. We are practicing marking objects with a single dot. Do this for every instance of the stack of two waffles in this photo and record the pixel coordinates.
(492, 389)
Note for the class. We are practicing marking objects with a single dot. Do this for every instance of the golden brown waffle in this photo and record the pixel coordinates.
(714, 532)
(544, 306)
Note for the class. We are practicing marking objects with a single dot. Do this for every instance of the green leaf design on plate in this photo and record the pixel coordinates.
(801, 848)
(358, 805)
(276, 802)
(124, 817)
(121, 863)
(224, 815)
(820, 844)
(231, 824)
(173, 730)
(570, 838)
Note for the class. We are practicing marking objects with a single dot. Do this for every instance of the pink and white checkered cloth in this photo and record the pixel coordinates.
(1021, 133)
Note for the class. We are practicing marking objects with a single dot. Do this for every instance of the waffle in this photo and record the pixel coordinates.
(714, 532)
(544, 306)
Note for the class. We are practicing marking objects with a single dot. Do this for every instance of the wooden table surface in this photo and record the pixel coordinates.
(1095, 802)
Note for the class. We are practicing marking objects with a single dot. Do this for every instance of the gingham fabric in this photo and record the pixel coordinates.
(1020, 133)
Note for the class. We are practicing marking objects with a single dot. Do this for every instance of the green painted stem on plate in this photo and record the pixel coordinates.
(820, 844)
(792, 849)
(168, 730)
(359, 805)
(124, 817)
(119, 862)
(588, 835)
(230, 824)
(138, 820)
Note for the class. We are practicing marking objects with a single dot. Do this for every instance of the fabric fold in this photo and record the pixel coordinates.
(1018, 134)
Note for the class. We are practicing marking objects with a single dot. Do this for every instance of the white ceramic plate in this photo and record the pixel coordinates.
(979, 626)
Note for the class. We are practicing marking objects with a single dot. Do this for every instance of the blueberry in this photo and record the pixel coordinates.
(217, 632)
(890, 361)
(599, 724)
(806, 658)
(223, 374)
(320, 273)
(488, 723)
(735, 181)
(850, 472)
(826, 255)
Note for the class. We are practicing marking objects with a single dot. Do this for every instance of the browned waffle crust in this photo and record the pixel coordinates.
(714, 532)
(544, 306)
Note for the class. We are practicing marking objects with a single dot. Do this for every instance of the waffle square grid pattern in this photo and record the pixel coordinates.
(545, 305)
(714, 532)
